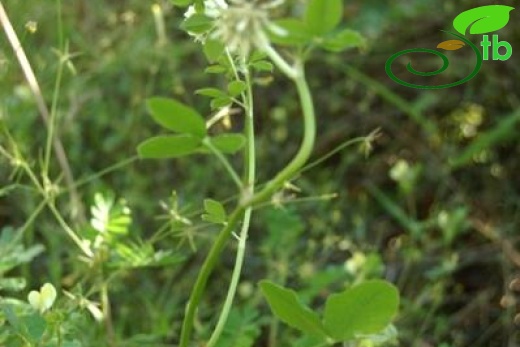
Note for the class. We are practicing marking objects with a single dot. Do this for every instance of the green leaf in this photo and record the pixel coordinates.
(220, 102)
(366, 308)
(213, 49)
(197, 24)
(287, 307)
(215, 212)
(176, 116)
(211, 92)
(216, 69)
(11, 317)
(296, 32)
(236, 87)
(181, 3)
(228, 143)
(262, 65)
(36, 326)
(343, 40)
(14, 284)
(483, 19)
(161, 147)
(322, 16)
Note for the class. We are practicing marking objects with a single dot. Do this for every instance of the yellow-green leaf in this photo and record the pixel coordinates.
(161, 147)
(228, 143)
(323, 16)
(287, 307)
(176, 116)
(366, 308)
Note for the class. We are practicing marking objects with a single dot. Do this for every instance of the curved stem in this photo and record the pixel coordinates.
(272, 186)
(306, 146)
(202, 278)
(250, 181)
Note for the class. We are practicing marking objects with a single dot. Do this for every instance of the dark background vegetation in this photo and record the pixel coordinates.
(446, 234)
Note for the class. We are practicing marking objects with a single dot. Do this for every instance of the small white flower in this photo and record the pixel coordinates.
(42, 300)
(356, 262)
(239, 24)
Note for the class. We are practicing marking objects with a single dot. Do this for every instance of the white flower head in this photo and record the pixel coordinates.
(239, 24)
(42, 300)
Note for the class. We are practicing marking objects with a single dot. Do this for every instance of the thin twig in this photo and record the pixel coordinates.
(43, 110)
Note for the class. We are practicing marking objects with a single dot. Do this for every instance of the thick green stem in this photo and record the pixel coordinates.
(265, 194)
(306, 146)
(207, 267)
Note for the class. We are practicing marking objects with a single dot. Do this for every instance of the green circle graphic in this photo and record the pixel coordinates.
(445, 64)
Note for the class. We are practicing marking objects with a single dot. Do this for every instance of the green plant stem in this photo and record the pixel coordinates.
(285, 174)
(107, 312)
(202, 278)
(306, 146)
(52, 120)
(69, 230)
(250, 173)
(30, 77)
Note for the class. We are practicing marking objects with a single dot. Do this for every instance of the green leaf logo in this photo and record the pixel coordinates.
(483, 19)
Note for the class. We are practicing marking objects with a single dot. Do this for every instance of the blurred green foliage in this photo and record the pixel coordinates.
(434, 208)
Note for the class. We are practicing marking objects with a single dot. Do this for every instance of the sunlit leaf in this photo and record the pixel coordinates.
(211, 92)
(176, 116)
(181, 3)
(294, 32)
(236, 87)
(197, 24)
(322, 16)
(483, 19)
(366, 308)
(228, 143)
(262, 65)
(216, 69)
(215, 212)
(287, 307)
(161, 147)
(213, 49)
